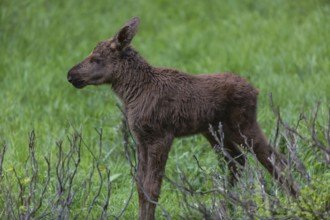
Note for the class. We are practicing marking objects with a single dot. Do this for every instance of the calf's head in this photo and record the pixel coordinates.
(106, 60)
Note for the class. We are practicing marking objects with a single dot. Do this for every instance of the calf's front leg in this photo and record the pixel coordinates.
(142, 171)
(150, 173)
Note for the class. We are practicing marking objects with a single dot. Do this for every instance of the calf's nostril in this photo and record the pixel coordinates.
(69, 78)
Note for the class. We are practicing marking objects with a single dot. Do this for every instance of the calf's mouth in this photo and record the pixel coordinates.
(78, 83)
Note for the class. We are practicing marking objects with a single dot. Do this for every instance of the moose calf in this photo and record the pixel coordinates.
(161, 104)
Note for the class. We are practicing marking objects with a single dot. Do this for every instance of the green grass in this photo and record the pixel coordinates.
(281, 46)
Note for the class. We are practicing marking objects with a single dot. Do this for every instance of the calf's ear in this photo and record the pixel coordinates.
(125, 35)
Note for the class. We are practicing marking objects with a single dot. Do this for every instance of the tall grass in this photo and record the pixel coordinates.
(280, 46)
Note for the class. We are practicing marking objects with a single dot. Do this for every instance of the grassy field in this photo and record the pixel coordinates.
(281, 47)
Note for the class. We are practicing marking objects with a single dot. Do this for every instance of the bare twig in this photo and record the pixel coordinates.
(133, 164)
(106, 203)
(2, 158)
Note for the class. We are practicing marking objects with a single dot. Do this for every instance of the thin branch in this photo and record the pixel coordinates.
(2, 158)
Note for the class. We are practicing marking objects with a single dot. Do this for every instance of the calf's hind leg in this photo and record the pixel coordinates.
(254, 138)
(235, 158)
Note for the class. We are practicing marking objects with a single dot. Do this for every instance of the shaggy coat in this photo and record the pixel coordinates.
(161, 104)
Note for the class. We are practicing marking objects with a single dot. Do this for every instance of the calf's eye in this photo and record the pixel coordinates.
(96, 60)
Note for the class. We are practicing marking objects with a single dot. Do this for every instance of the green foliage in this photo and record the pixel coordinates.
(315, 199)
(280, 46)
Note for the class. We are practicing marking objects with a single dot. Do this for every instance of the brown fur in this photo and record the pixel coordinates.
(161, 104)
